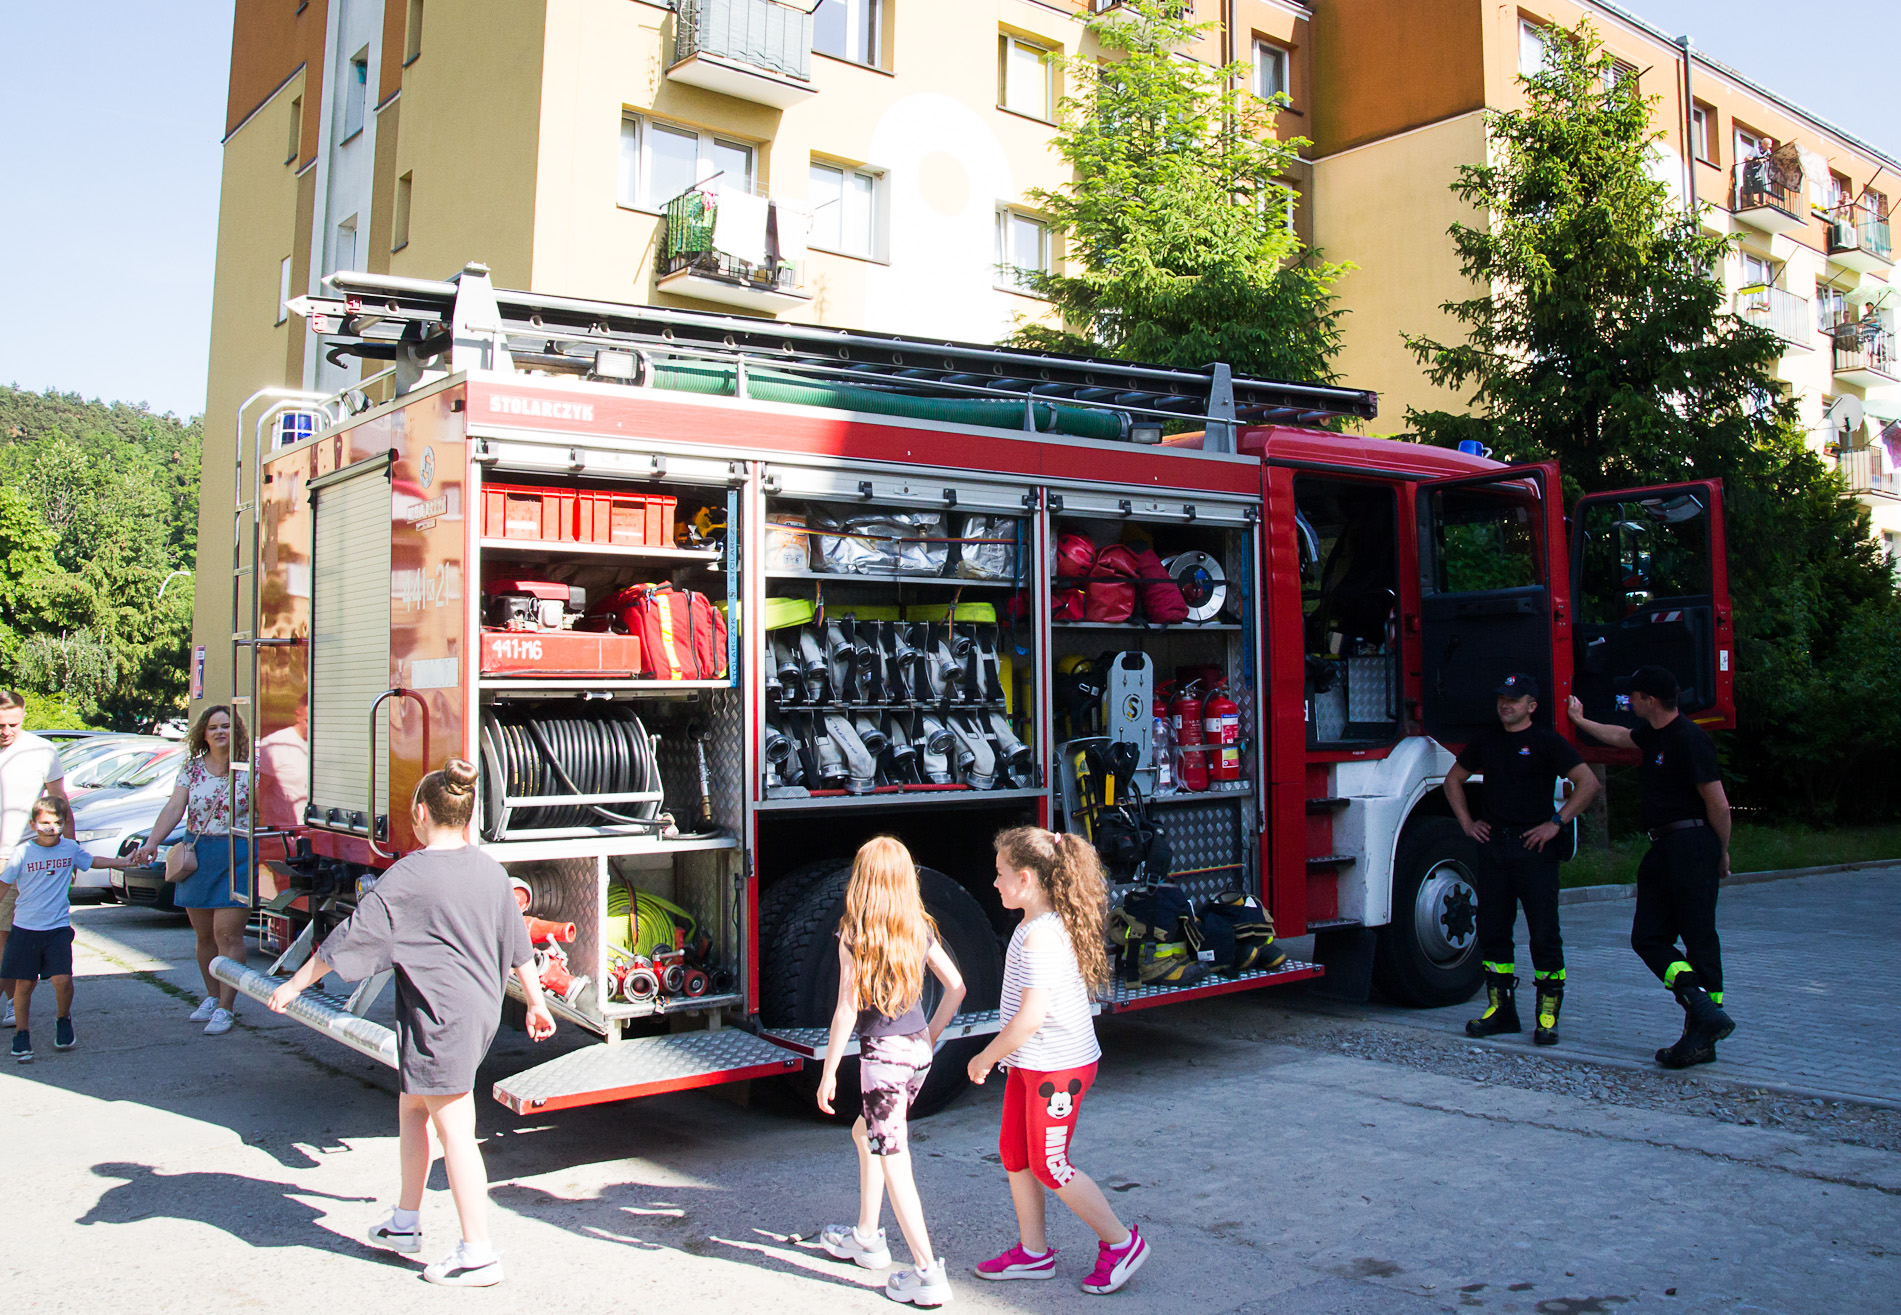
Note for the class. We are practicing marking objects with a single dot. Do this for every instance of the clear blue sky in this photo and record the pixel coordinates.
(110, 160)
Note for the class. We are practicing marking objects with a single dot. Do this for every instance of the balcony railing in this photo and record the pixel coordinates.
(689, 245)
(1757, 199)
(1859, 239)
(1777, 309)
(756, 32)
(1864, 354)
(1869, 471)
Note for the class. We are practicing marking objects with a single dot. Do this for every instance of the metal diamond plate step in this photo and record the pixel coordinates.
(1145, 997)
(644, 1066)
(810, 1041)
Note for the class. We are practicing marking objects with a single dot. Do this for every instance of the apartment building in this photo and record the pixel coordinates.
(1403, 87)
(865, 163)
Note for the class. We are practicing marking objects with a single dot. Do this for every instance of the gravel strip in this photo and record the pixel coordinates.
(1830, 1120)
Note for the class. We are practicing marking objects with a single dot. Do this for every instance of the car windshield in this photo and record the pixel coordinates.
(163, 767)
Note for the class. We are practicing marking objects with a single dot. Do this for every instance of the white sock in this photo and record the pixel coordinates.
(864, 1238)
(477, 1253)
(1034, 1255)
(404, 1220)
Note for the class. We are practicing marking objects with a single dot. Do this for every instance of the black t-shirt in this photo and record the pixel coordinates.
(1521, 770)
(1675, 761)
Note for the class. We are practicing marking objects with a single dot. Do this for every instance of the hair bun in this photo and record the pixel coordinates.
(459, 776)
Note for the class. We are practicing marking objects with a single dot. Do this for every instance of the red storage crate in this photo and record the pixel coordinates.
(630, 520)
(560, 653)
(512, 511)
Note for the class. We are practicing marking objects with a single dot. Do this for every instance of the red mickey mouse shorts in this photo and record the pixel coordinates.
(1039, 1115)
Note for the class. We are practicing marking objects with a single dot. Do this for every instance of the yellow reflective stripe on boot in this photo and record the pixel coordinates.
(1502, 969)
(1555, 975)
(1671, 973)
(1716, 996)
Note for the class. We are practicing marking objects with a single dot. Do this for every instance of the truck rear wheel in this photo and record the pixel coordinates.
(1427, 956)
(798, 980)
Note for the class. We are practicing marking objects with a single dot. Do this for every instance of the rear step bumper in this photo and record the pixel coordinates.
(643, 1066)
(314, 1009)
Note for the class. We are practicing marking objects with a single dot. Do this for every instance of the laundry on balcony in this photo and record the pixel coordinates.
(722, 242)
(739, 225)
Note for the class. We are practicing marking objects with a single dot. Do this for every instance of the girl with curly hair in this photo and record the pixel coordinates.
(1056, 962)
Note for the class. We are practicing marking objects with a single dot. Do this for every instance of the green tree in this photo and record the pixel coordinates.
(98, 504)
(1599, 337)
(1177, 214)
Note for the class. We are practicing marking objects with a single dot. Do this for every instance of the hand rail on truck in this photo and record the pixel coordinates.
(314, 1009)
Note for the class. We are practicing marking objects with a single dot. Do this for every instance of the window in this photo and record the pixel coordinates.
(1023, 244)
(283, 289)
(1758, 271)
(1749, 142)
(1619, 74)
(1874, 204)
(399, 226)
(1270, 71)
(412, 35)
(1840, 191)
(847, 29)
(296, 142)
(343, 254)
(658, 161)
(356, 91)
(846, 209)
(1024, 77)
(1702, 132)
(1830, 308)
(1891, 542)
(1531, 48)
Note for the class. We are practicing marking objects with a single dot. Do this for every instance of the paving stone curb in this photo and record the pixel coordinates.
(1593, 894)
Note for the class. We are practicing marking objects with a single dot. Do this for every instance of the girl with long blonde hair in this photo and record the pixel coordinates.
(1055, 964)
(886, 941)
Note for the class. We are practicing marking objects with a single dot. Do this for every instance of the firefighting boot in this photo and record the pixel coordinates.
(1501, 1008)
(1704, 1024)
(1550, 1001)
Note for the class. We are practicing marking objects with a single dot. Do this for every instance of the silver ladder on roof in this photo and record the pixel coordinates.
(247, 490)
(425, 326)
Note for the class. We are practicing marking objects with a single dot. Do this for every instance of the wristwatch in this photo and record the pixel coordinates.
(1557, 820)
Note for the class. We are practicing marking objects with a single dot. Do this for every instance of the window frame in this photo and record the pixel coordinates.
(356, 96)
(1739, 132)
(876, 223)
(1284, 57)
(296, 144)
(1533, 29)
(873, 19)
(1703, 133)
(1003, 278)
(400, 204)
(1007, 44)
(412, 33)
(642, 198)
(351, 227)
(283, 291)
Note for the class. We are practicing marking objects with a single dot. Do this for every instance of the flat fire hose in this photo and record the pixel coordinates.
(313, 1009)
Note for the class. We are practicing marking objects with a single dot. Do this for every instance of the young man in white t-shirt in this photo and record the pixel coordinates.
(29, 768)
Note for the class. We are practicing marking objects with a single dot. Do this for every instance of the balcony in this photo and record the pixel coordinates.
(1868, 470)
(756, 50)
(735, 264)
(1864, 354)
(1858, 240)
(1777, 309)
(1758, 200)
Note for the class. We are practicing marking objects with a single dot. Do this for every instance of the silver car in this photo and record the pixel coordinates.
(103, 818)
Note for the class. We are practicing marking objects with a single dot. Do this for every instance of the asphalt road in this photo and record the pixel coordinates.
(156, 1170)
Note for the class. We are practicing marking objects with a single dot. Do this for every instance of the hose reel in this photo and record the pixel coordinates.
(563, 767)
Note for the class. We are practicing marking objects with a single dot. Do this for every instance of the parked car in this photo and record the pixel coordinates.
(102, 818)
(65, 735)
(89, 763)
(146, 887)
(118, 773)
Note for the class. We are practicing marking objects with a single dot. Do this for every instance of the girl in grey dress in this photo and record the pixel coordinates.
(443, 919)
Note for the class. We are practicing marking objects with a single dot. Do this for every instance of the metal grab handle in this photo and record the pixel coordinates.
(369, 816)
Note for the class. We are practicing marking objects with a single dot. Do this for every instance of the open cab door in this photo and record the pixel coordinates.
(1651, 580)
(1490, 601)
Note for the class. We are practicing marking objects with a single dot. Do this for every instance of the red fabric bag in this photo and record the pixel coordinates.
(1162, 600)
(682, 635)
(1075, 557)
(1111, 587)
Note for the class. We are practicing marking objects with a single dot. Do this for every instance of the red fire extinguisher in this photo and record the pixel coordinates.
(1185, 721)
(1221, 726)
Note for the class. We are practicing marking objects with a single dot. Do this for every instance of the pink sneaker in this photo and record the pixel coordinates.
(1116, 1265)
(1018, 1263)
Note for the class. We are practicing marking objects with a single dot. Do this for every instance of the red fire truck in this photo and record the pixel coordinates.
(711, 600)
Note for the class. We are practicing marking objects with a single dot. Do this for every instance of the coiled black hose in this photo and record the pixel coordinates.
(538, 750)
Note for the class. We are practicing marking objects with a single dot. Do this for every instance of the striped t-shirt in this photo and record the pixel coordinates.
(1067, 1038)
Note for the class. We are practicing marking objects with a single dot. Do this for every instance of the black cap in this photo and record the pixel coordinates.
(1655, 681)
(1518, 685)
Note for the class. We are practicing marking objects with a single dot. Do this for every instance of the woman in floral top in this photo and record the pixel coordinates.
(203, 797)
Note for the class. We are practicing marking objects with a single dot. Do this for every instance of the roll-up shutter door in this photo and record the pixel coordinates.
(921, 489)
(349, 644)
(1103, 504)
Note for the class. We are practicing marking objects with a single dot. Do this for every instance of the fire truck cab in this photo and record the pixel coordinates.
(710, 601)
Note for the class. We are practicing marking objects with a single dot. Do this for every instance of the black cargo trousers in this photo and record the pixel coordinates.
(1677, 883)
(1507, 875)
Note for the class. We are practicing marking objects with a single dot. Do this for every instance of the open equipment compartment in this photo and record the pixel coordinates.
(613, 793)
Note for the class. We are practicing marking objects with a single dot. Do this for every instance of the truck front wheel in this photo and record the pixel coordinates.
(1427, 956)
(798, 984)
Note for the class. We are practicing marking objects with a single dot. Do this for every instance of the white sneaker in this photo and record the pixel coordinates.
(206, 1008)
(10, 1021)
(459, 1270)
(220, 1023)
(385, 1233)
(841, 1243)
(920, 1287)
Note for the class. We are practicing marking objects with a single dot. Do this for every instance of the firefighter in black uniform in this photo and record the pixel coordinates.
(1517, 863)
(1686, 814)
